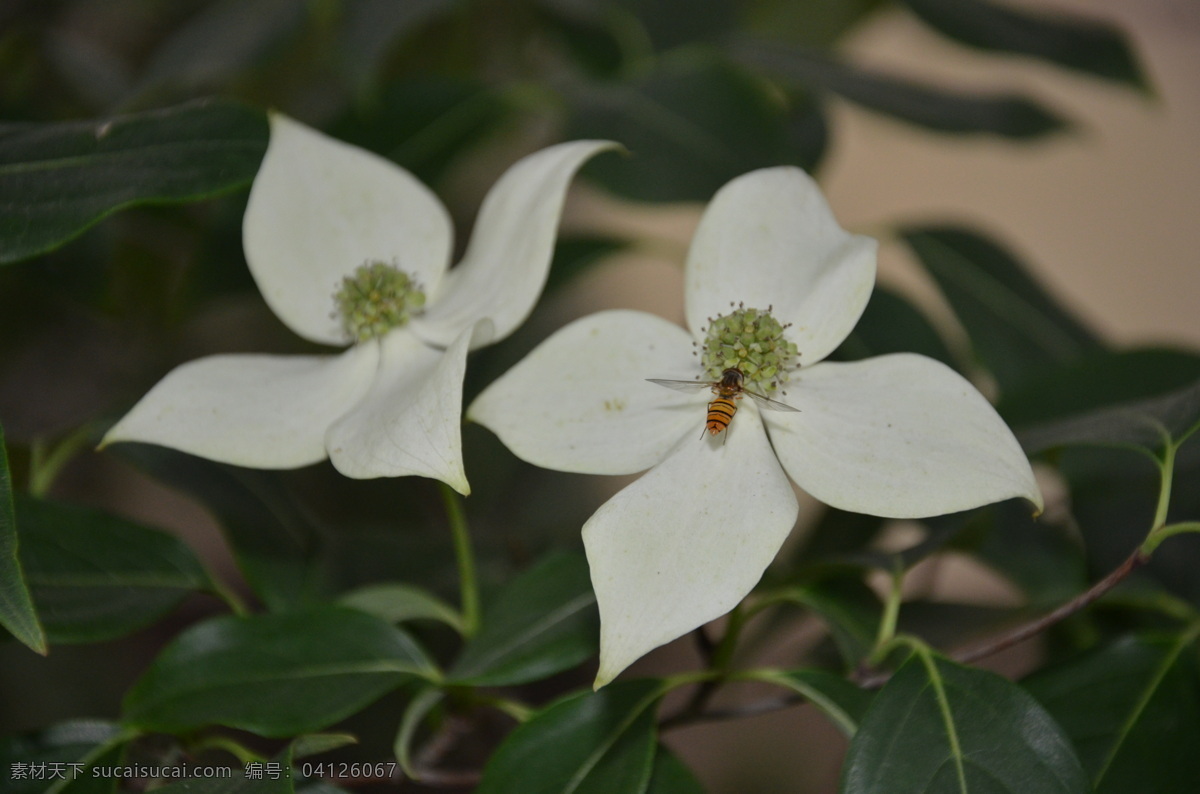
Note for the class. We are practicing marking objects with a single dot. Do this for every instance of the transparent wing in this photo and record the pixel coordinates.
(769, 404)
(682, 385)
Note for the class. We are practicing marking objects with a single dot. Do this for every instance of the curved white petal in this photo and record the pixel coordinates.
(686, 542)
(505, 266)
(580, 401)
(769, 238)
(901, 436)
(318, 209)
(264, 412)
(410, 422)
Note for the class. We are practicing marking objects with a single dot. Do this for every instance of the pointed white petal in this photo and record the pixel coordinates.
(505, 266)
(265, 412)
(686, 542)
(769, 238)
(410, 422)
(901, 436)
(318, 209)
(580, 401)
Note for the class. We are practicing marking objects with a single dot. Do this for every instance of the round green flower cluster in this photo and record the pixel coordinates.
(376, 298)
(751, 341)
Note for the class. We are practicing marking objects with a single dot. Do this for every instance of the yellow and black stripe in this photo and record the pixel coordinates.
(720, 414)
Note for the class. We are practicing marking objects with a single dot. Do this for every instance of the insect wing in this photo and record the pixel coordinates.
(682, 385)
(768, 404)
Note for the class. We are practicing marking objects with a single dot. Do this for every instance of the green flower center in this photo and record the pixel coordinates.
(376, 298)
(752, 342)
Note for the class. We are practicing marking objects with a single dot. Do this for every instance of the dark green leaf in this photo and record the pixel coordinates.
(16, 606)
(890, 324)
(938, 726)
(397, 603)
(217, 43)
(424, 123)
(1046, 562)
(257, 777)
(1085, 45)
(844, 703)
(71, 748)
(274, 540)
(588, 743)
(1016, 328)
(671, 776)
(373, 27)
(1133, 712)
(56, 180)
(1007, 115)
(1099, 380)
(274, 675)
(541, 623)
(95, 576)
(673, 23)
(1147, 424)
(691, 127)
(849, 607)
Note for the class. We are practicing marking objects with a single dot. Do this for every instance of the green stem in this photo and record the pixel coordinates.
(723, 656)
(226, 594)
(891, 614)
(468, 579)
(1167, 467)
(1160, 534)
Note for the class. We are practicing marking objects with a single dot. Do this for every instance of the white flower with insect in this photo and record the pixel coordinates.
(349, 249)
(772, 286)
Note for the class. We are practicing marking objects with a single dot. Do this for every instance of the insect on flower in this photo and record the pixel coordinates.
(729, 389)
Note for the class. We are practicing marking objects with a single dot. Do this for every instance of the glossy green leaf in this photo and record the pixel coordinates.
(940, 727)
(1099, 380)
(274, 540)
(274, 675)
(1016, 328)
(70, 748)
(1147, 424)
(944, 110)
(690, 127)
(96, 576)
(16, 605)
(587, 743)
(890, 324)
(841, 701)
(56, 180)
(543, 622)
(1132, 710)
(671, 776)
(1085, 45)
(397, 603)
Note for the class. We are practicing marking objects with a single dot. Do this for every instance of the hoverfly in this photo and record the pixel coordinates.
(728, 389)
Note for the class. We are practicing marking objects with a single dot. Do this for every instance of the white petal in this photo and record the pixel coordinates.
(686, 542)
(901, 436)
(580, 401)
(769, 238)
(318, 209)
(410, 422)
(505, 266)
(265, 412)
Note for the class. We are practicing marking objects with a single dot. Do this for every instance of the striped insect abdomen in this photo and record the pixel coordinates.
(720, 412)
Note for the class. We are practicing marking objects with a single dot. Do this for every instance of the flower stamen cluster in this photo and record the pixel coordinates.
(751, 341)
(376, 298)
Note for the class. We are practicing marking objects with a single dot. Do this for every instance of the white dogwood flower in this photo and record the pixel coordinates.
(773, 285)
(349, 249)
